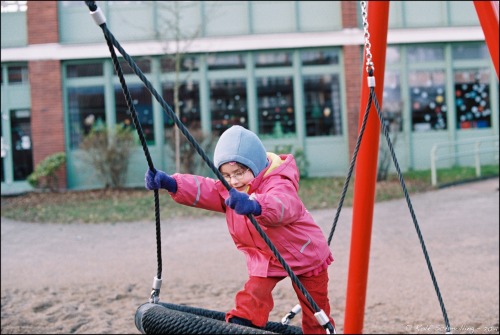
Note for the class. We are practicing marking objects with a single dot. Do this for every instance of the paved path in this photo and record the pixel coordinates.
(459, 224)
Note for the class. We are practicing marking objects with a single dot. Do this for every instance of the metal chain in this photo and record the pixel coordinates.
(369, 63)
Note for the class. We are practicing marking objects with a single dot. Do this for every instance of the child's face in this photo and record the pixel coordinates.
(237, 176)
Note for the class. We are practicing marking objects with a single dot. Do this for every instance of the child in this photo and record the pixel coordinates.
(266, 186)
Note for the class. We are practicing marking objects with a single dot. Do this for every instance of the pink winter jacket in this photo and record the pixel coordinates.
(284, 219)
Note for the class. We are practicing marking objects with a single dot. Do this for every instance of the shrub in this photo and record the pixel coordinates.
(45, 174)
(109, 153)
(298, 154)
(191, 161)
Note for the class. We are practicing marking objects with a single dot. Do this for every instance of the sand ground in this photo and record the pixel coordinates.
(90, 279)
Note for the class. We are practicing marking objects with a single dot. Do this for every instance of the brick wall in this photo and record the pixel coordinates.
(349, 14)
(47, 118)
(42, 22)
(47, 121)
(353, 73)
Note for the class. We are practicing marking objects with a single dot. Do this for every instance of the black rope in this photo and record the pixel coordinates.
(142, 138)
(113, 42)
(373, 97)
(410, 206)
(351, 168)
(93, 7)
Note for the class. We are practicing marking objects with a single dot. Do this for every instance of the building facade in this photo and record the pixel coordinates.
(288, 70)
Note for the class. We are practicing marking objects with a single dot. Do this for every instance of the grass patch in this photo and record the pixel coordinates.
(446, 177)
(128, 205)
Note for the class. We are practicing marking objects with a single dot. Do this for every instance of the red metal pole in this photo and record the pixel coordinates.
(487, 12)
(366, 172)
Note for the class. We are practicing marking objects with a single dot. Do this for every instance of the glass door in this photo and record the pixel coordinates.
(21, 148)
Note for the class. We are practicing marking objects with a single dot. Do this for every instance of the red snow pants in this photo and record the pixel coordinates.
(255, 301)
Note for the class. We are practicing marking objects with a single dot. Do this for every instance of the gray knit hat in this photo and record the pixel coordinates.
(240, 145)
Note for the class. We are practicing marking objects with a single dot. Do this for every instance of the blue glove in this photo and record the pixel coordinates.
(242, 204)
(158, 180)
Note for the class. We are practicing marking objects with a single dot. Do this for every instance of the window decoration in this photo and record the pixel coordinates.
(141, 98)
(322, 105)
(276, 110)
(228, 104)
(189, 104)
(428, 100)
(472, 99)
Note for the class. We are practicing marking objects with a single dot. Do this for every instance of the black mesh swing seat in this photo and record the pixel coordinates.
(176, 319)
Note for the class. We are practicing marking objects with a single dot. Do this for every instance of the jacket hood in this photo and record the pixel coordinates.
(238, 144)
(283, 166)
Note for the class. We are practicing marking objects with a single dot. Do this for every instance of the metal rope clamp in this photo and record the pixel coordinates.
(155, 293)
(290, 315)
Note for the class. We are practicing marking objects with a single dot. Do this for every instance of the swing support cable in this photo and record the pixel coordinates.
(100, 20)
(372, 97)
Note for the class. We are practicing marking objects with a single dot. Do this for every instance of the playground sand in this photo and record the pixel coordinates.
(90, 279)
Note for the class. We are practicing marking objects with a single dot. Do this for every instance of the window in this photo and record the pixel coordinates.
(322, 105)
(228, 104)
(22, 156)
(188, 63)
(425, 54)
(322, 99)
(275, 59)
(393, 55)
(470, 52)
(70, 4)
(471, 83)
(472, 98)
(14, 6)
(276, 110)
(319, 57)
(428, 100)
(86, 109)
(189, 105)
(84, 70)
(225, 62)
(141, 98)
(18, 74)
(392, 103)
(124, 3)
(143, 64)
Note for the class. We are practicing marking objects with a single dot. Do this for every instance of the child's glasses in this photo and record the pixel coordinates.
(237, 175)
